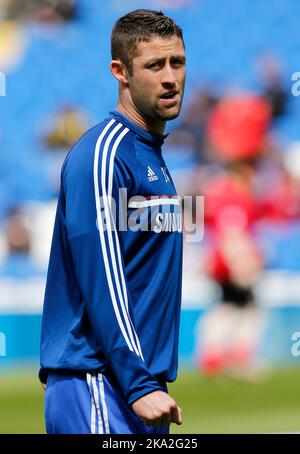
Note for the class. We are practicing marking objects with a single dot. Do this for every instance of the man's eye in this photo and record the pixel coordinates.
(178, 62)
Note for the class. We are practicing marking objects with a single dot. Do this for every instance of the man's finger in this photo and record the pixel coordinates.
(180, 416)
(166, 420)
(151, 422)
(176, 415)
(147, 422)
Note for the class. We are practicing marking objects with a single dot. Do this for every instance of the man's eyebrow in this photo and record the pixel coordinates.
(179, 57)
(162, 59)
(155, 60)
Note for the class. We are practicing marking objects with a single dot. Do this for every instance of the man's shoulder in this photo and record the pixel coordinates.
(87, 142)
(105, 137)
(108, 132)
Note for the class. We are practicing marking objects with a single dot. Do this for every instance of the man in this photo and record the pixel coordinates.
(110, 325)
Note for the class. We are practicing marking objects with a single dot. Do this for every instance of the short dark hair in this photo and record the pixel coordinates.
(137, 26)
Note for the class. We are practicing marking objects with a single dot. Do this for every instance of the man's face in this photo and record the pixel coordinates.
(158, 78)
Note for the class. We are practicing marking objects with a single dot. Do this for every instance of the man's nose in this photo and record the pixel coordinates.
(168, 76)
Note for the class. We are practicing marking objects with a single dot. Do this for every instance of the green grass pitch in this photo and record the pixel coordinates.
(209, 406)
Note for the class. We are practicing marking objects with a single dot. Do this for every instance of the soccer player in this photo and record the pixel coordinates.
(109, 341)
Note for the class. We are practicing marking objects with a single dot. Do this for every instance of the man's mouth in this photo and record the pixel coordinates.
(169, 95)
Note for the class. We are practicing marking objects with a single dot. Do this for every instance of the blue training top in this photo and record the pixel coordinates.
(113, 293)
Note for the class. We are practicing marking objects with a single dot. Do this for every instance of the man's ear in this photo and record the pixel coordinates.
(119, 71)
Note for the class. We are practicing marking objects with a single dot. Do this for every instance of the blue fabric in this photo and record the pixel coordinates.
(85, 405)
(113, 296)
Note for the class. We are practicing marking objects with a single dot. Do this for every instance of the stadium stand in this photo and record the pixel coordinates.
(58, 58)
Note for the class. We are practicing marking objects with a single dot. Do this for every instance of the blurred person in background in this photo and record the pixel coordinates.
(237, 130)
(12, 9)
(13, 14)
(278, 229)
(60, 133)
(38, 10)
(18, 261)
(13, 45)
(51, 11)
(67, 126)
(272, 83)
(191, 130)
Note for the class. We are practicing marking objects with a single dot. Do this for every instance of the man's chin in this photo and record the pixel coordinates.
(170, 115)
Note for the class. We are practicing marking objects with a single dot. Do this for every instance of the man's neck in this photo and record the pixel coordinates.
(155, 127)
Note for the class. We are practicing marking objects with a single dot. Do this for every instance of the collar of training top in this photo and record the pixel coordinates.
(150, 137)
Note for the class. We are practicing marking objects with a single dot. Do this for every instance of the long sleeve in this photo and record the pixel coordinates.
(91, 195)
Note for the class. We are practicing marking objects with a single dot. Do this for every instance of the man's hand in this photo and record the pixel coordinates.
(43, 386)
(157, 409)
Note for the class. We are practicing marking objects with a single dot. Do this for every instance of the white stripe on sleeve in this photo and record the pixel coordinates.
(129, 324)
(102, 238)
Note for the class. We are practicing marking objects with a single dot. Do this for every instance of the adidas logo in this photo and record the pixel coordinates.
(151, 175)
